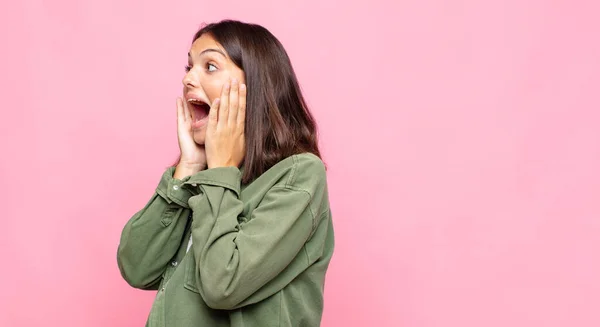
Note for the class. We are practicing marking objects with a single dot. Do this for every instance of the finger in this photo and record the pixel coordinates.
(224, 105)
(241, 116)
(212, 114)
(233, 102)
(187, 114)
(179, 111)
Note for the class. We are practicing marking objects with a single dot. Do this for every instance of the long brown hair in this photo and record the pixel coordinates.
(278, 121)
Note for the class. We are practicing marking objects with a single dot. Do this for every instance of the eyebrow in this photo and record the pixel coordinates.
(209, 50)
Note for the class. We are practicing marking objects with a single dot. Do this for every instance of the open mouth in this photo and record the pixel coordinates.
(199, 109)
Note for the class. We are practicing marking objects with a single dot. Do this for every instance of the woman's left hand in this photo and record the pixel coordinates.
(225, 142)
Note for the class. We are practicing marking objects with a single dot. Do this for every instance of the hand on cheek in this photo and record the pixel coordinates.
(193, 156)
(225, 142)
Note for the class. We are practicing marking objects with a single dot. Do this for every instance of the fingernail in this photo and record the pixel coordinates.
(243, 86)
(234, 81)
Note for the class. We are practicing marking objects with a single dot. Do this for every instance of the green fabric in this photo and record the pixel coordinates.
(259, 252)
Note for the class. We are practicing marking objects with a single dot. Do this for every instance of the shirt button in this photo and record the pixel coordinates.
(175, 187)
(174, 263)
(194, 185)
(163, 289)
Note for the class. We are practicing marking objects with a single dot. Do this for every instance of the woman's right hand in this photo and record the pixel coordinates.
(193, 156)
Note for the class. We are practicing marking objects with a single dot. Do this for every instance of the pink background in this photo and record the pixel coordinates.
(462, 138)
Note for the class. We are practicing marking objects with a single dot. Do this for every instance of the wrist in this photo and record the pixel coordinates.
(183, 170)
(222, 165)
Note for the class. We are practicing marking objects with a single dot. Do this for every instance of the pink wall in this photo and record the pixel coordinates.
(462, 137)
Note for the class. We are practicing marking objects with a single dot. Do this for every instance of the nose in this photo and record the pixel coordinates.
(190, 80)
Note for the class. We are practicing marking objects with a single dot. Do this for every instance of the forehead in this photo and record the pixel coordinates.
(206, 41)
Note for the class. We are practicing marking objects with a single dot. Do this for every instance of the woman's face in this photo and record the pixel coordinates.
(209, 68)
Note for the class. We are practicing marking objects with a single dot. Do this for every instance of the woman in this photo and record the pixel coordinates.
(239, 231)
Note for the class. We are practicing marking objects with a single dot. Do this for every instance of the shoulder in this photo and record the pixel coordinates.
(306, 169)
(301, 172)
(307, 175)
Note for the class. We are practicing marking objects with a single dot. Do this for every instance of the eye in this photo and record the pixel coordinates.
(187, 68)
(211, 67)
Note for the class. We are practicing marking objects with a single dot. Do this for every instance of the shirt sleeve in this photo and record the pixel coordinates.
(151, 238)
(243, 260)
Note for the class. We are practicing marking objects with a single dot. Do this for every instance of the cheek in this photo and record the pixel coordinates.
(240, 77)
(213, 88)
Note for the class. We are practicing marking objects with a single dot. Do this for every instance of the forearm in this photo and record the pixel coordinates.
(153, 235)
(149, 241)
(235, 260)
